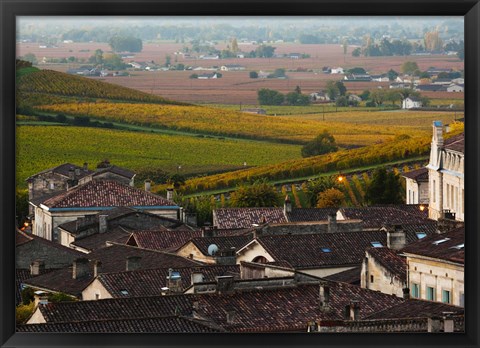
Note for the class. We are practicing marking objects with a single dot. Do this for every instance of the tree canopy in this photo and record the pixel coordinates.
(331, 198)
(259, 194)
(270, 97)
(125, 44)
(384, 188)
(323, 143)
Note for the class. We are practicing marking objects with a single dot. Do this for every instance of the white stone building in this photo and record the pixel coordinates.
(416, 186)
(446, 175)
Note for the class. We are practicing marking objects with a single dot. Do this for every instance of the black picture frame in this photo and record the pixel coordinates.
(10, 9)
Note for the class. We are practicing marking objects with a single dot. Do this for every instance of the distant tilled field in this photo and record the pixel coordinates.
(236, 87)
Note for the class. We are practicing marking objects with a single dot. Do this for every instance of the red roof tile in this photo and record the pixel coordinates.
(105, 194)
(456, 143)
(151, 281)
(166, 239)
(305, 251)
(235, 218)
(170, 324)
(446, 246)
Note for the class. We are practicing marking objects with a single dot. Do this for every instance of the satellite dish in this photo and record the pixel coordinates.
(212, 249)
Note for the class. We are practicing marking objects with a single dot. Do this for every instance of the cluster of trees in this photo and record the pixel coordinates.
(322, 144)
(272, 97)
(108, 61)
(125, 44)
(379, 97)
(385, 47)
(335, 89)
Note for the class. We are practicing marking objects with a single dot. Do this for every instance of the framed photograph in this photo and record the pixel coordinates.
(324, 141)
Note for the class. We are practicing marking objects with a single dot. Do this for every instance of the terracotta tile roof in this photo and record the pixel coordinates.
(234, 218)
(22, 238)
(391, 260)
(63, 170)
(350, 276)
(118, 308)
(456, 143)
(417, 175)
(280, 309)
(150, 282)
(305, 251)
(310, 214)
(415, 308)
(99, 240)
(446, 246)
(378, 216)
(170, 324)
(113, 259)
(105, 194)
(165, 239)
(288, 308)
(223, 243)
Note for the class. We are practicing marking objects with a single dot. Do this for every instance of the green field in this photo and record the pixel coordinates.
(42, 147)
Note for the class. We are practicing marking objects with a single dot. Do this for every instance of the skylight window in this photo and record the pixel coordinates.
(376, 244)
(459, 246)
(124, 292)
(326, 250)
(441, 241)
(421, 235)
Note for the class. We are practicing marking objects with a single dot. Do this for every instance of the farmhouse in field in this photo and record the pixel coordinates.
(232, 67)
(412, 103)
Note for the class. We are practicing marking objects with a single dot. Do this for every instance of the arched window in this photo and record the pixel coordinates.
(260, 259)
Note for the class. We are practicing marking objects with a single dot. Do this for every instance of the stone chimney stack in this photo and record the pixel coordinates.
(77, 172)
(170, 194)
(148, 185)
(287, 205)
(133, 263)
(102, 224)
(37, 267)
(352, 311)
(40, 297)
(396, 238)
(97, 267)
(71, 174)
(324, 297)
(80, 268)
(332, 222)
(85, 167)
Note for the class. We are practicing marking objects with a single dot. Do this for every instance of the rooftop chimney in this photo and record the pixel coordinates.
(406, 293)
(71, 174)
(80, 268)
(133, 263)
(224, 283)
(40, 297)
(287, 206)
(396, 238)
(231, 316)
(85, 167)
(77, 172)
(174, 281)
(148, 185)
(170, 194)
(352, 311)
(97, 267)
(434, 324)
(37, 267)
(324, 297)
(332, 222)
(102, 224)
